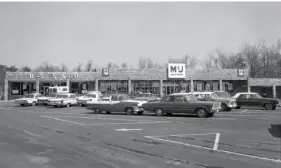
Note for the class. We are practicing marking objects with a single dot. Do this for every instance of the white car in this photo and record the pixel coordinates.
(63, 100)
(43, 100)
(117, 103)
(90, 97)
(30, 99)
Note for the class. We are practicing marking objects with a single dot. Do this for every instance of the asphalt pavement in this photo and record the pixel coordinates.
(39, 136)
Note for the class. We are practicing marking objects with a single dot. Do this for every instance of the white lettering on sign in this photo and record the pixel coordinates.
(176, 71)
(53, 75)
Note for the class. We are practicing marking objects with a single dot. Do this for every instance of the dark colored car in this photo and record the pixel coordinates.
(251, 99)
(182, 103)
(117, 103)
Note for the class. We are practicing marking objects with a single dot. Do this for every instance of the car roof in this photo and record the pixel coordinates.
(184, 93)
(201, 92)
(246, 93)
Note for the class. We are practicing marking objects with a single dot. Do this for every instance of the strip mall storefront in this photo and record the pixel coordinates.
(157, 81)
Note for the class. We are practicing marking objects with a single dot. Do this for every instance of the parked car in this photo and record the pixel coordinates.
(63, 100)
(90, 97)
(182, 103)
(226, 103)
(43, 100)
(252, 99)
(117, 103)
(29, 99)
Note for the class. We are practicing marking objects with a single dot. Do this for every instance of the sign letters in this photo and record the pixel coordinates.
(176, 71)
(240, 72)
(105, 71)
(54, 75)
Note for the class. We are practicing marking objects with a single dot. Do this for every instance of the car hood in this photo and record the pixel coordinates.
(43, 98)
(136, 101)
(24, 99)
(55, 99)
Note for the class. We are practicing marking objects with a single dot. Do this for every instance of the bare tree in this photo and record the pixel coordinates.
(189, 61)
(78, 67)
(142, 63)
(112, 65)
(47, 67)
(124, 65)
(63, 67)
(25, 68)
(89, 66)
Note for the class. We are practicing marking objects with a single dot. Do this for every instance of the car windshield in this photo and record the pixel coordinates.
(29, 96)
(62, 96)
(190, 97)
(223, 94)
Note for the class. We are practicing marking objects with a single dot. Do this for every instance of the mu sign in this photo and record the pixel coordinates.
(176, 71)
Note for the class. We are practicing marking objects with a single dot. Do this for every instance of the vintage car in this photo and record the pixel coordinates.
(117, 103)
(30, 99)
(227, 103)
(182, 103)
(147, 97)
(252, 99)
(90, 97)
(63, 100)
(51, 93)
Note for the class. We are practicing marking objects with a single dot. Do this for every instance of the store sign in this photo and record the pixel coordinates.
(105, 71)
(176, 71)
(54, 75)
(240, 72)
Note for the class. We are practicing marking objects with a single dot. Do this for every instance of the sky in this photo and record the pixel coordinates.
(72, 32)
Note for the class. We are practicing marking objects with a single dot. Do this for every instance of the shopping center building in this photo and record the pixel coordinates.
(159, 81)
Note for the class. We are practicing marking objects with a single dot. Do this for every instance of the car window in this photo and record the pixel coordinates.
(242, 96)
(114, 98)
(72, 96)
(167, 99)
(200, 96)
(209, 97)
(179, 99)
(255, 96)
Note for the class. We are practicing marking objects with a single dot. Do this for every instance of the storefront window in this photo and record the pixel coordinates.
(146, 86)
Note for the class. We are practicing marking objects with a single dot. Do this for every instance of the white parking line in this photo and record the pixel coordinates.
(216, 141)
(243, 111)
(222, 151)
(73, 122)
(152, 122)
(98, 118)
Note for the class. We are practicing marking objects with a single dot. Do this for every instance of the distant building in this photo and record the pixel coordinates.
(158, 81)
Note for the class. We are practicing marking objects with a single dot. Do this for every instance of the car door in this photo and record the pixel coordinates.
(167, 104)
(254, 100)
(120, 106)
(180, 104)
(243, 100)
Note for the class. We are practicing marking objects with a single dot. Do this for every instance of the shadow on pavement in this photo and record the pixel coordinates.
(275, 130)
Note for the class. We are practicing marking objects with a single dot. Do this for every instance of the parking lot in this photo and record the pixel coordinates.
(74, 137)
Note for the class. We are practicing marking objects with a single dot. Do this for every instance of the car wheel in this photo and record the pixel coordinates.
(140, 112)
(33, 103)
(159, 112)
(129, 111)
(46, 104)
(83, 105)
(238, 107)
(68, 105)
(224, 107)
(201, 113)
(211, 114)
(55, 106)
(268, 106)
